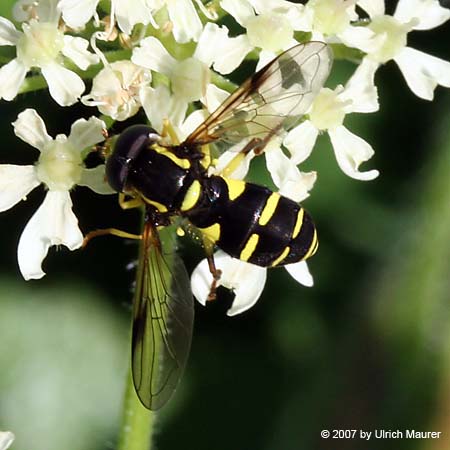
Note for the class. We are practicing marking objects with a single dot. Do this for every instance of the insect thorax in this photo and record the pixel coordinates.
(160, 177)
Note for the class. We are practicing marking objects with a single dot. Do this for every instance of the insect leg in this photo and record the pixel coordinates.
(168, 130)
(232, 165)
(215, 272)
(112, 231)
(255, 144)
(134, 202)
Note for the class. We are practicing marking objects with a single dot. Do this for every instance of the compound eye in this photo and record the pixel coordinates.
(127, 148)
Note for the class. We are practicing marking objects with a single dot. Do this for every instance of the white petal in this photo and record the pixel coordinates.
(214, 97)
(48, 11)
(23, 11)
(185, 20)
(153, 55)
(43, 10)
(210, 40)
(360, 37)
(423, 72)
(351, 151)
(241, 10)
(8, 33)
(64, 85)
(285, 174)
(210, 13)
(131, 75)
(265, 56)
(77, 13)
(16, 182)
(300, 272)
(300, 141)
(270, 31)
(430, 14)
(232, 50)
(75, 48)
(54, 223)
(192, 122)
(128, 14)
(86, 133)
(189, 79)
(246, 280)
(6, 439)
(251, 285)
(95, 180)
(159, 105)
(232, 54)
(116, 89)
(294, 13)
(361, 89)
(12, 76)
(201, 280)
(30, 127)
(372, 7)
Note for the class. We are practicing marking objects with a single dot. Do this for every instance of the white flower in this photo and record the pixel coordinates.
(160, 105)
(219, 51)
(421, 71)
(59, 168)
(132, 12)
(190, 76)
(42, 45)
(290, 181)
(116, 89)
(44, 10)
(329, 20)
(246, 280)
(6, 439)
(184, 20)
(327, 113)
(77, 13)
(270, 24)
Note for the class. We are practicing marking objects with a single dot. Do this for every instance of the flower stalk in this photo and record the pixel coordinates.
(137, 422)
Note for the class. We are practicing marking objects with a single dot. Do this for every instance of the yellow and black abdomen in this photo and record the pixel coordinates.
(252, 223)
(248, 221)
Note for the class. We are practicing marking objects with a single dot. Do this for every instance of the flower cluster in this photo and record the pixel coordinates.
(163, 55)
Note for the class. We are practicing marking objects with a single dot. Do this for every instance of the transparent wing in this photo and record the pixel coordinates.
(271, 101)
(163, 319)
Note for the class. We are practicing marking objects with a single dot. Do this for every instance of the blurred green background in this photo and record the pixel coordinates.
(368, 347)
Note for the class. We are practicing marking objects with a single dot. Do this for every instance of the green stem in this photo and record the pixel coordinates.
(222, 82)
(137, 422)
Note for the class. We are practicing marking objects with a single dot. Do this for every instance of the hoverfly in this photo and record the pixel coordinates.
(246, 220)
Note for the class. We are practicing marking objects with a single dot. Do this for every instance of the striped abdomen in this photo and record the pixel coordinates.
(252, 223)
